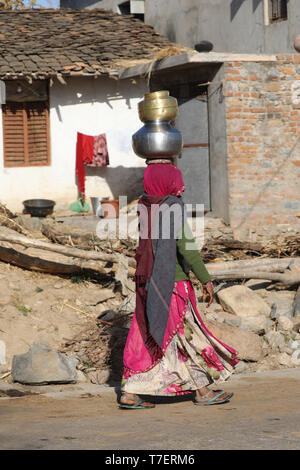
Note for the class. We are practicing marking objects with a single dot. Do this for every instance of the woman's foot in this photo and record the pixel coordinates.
(129, 400)
(206, 396)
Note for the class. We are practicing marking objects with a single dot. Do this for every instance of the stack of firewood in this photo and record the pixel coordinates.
(57, 258)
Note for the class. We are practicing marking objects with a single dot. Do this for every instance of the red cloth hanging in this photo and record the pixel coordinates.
(91, 151)
(100, 155)
(84, 152)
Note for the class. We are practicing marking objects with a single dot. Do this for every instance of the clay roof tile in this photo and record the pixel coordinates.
(54, 41)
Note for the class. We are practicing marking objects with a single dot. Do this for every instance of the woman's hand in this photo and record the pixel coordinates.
(208, 291)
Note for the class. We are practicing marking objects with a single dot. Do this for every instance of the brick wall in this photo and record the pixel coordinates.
(263, 140)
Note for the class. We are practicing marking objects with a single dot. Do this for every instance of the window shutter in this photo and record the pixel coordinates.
(38, 132)
(13, 134)
(26, 134)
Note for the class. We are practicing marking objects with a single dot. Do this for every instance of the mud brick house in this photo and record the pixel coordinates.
(240, 118)
(239, 115)
(60, 70)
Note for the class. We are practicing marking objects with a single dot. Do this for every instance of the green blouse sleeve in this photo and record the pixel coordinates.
(188, 250)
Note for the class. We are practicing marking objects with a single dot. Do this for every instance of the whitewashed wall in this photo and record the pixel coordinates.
(91, 106)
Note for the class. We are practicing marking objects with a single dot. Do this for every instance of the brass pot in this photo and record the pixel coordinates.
(158, 105)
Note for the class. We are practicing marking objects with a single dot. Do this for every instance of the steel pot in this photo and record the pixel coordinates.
(157, 139)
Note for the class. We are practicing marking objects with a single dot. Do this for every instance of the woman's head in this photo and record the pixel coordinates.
(162, 179)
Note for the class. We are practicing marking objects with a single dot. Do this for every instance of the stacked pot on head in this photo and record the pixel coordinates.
(158, 141)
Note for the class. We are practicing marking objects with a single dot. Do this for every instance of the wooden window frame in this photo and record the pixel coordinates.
(27, 162)
(277, 4)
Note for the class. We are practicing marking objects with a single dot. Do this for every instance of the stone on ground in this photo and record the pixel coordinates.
(258, 324)
(81, 377)
(222, 317)
(296, 304)
(285, 360)
(99, 377)
(284, 323)
(240, 367)
(268, 363)
(108, 315)
(242, 301)
(248, 344)
(282, 308)
(41, 365)
(128, 304)
(97, 296)
(281, 303)
(275, 340)
(294, 344)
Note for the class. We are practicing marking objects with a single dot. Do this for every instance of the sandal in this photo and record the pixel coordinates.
(214, 400)
(138, 405)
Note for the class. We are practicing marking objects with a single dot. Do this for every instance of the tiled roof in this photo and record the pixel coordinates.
(43, 43)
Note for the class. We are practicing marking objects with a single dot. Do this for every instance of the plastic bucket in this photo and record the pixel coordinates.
(96, 205)
(110, 208)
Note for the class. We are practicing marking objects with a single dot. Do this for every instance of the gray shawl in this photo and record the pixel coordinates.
(170, 219)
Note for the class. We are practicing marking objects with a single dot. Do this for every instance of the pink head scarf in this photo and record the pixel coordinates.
(162, 179)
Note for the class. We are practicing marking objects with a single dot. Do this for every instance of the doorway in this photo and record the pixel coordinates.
(192, 122)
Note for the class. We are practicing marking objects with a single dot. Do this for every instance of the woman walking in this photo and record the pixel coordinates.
(169, 351)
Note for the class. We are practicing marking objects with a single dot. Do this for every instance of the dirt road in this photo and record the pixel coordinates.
(263, 414)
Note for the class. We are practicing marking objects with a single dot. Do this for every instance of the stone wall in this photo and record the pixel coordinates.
(263, 145)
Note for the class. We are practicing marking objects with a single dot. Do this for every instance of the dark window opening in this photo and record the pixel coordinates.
(278, 10)
(139, 16)
(125, 8)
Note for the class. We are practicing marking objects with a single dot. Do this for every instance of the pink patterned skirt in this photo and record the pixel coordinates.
(192, 356)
